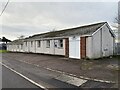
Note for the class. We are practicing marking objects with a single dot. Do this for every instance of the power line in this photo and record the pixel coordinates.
(4, 8)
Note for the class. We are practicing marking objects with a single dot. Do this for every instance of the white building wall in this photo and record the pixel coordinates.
(107, 42)
(102, 43)
(47, 50)
(50, 50)
(96, 45)
(38, 49)
(43, 48)
(89, 47)
(8, 47)
(26, 48)
(14, 48)
(60, 51)
(32, 47)
(17, 48)
(20, 48)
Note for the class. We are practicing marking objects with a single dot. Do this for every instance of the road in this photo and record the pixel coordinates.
(44, 77)
(12, 80)
(41, 76)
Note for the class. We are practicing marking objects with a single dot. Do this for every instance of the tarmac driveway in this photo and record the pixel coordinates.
(103, 69)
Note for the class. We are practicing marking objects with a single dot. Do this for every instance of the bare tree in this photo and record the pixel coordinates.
(117, 20)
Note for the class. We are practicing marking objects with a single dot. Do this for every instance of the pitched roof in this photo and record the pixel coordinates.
(16, 42)
(82, 30)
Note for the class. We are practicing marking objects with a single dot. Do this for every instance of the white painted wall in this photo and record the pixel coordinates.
(43, 48)
(26, 48)
(107, 41)
(74, 47)
(51, 50)
(32, 47)
(15, 48)
(89, 47)
(96, 45)
(101, 44)
(60, 51)
(8, 47)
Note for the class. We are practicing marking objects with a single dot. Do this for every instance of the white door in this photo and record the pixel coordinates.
(74, 47)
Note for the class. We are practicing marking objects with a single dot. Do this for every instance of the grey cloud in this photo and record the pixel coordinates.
(37, 17)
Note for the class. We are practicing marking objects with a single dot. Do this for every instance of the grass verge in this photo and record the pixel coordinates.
(3, 51)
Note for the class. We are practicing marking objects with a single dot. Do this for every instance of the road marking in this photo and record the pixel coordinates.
(33, 82)
(58, 71)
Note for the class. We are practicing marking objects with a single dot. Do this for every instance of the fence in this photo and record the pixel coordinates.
(117, 49)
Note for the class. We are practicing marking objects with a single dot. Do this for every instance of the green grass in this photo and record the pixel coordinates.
(3, 51)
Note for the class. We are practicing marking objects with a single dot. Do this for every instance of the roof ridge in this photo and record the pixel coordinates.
(69, 29)
(86, 25)
(54, 33)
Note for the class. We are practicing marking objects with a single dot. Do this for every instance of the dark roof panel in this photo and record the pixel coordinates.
(16, 42)
(82, 30)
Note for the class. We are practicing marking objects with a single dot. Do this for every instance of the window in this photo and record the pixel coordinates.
(48, 43)
(55, 43)
(39, 43)
(31, 43)
(60, 43)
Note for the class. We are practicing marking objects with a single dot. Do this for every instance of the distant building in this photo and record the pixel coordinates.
(90, 41)
(3, 42)
(2, 45)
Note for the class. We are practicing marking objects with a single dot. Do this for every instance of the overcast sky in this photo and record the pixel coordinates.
(29, 18)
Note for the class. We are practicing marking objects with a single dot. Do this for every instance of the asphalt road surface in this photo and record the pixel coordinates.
(12, 80)
(44, 77)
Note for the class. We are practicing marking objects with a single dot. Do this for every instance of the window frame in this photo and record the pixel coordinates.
(56, 43)
(60, 43)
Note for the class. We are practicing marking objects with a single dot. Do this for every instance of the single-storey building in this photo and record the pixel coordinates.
(15, 46)
(89, 41)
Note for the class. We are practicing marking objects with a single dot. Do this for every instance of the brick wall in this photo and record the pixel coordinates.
(83, 47)
(66, 47)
